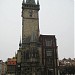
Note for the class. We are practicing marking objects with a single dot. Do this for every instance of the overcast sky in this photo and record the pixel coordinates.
(56, 17)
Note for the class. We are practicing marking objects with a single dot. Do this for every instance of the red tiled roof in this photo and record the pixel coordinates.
(11, 63)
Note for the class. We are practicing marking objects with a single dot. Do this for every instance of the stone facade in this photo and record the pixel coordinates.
(31, 56)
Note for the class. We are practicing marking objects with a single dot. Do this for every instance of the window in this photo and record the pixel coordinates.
(50, 61)
(27, 55)
(49, 43)
(33, 53)
(49, 52)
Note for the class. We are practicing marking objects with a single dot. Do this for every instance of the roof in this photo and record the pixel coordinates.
(11, 61)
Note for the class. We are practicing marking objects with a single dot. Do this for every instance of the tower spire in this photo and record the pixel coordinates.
(20, 43)
(37, 2)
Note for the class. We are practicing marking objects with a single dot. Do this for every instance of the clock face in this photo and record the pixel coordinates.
(29, 13)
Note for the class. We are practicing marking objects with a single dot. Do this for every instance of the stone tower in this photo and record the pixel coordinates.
(30, 20)
(30, 50)
(37, 54)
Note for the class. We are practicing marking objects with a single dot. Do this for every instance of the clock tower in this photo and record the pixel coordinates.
(29, 54)
(30, 20)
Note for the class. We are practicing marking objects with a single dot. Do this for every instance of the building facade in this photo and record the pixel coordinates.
(11, 66)
(37, 54)
(2, 68)
(67, 66)
(49, 54)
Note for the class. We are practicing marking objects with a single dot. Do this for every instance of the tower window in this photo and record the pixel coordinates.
(27, 55)
(33, 54)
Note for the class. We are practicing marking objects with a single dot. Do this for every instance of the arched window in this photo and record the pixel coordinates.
(27, 54)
